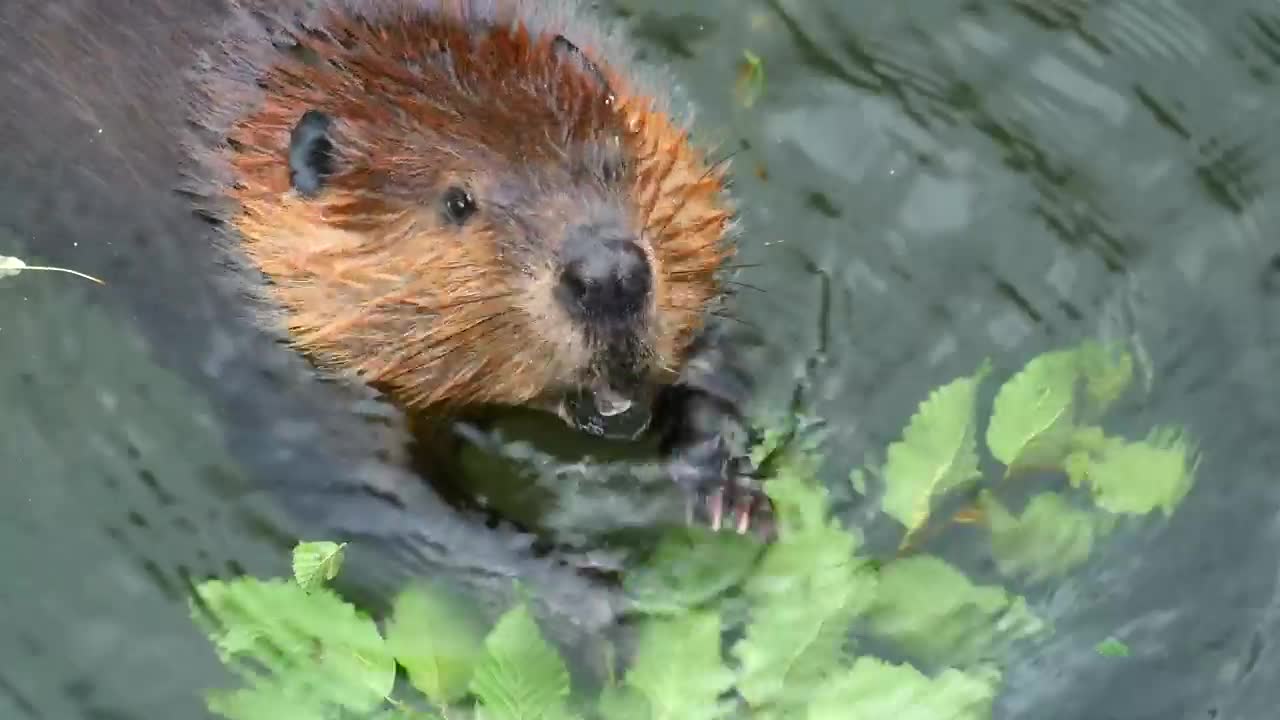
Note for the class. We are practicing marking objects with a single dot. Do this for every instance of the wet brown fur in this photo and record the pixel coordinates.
(366, 279)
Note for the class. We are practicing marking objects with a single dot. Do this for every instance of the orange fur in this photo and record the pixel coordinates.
(369, 284)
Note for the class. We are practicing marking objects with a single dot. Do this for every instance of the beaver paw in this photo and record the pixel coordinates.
(722, 488)
(705, 441)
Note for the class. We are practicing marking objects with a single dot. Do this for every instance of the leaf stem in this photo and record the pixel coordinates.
(50, 268)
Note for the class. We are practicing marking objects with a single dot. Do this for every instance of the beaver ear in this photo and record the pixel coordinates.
(310, 153)
(567, 50)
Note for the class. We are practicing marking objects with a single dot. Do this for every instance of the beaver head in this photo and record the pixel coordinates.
(464, 209)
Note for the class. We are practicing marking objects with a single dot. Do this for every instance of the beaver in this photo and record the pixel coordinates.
(223, 445)
(322, 150)
(475, 203)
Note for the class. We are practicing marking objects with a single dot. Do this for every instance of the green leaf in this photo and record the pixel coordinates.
(1049, 539)
(436, 640)
(1112, 647)
(315, 563)
(1135, 478)
(691, 566)
(804, 599)
(875, 690)
(1033, 414)
(937, 453)
(805, 594)
(623, 703)
(521, 676)
(678, 667)
(799, 502)
(750, 83)
(935, 613)
(1107, 371)
(311, 645)
(265, 703)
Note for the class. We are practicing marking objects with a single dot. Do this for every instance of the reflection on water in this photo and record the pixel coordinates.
(924, 185)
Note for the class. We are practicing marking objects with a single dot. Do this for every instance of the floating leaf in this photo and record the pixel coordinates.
(298, 643)
(1076, 465)
(804, 599)
(750, 84)
(265, 703)
(805, 594)
(315, 563)
(1112, 647)
(10, 266)
(1050, 538)
(691, 566)
(1089, 439)
(679, 670)
(1107, 372)
(932, 611)
(937, 453)
(874, 690)
(1033, 413)
(436, 640)
(799, 502)
(520, 677)
(1135, 478)
(623, 703)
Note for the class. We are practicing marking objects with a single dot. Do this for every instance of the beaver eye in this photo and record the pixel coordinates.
(458, 205)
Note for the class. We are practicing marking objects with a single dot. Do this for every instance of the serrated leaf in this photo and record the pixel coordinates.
(1033, 414)
(264, 703)
(875, 690)
(805, 594)
(304, 644)
(935, 613)
(1135, 478)
(691, 566)
(1076, 466)
(1049, 539)
(623, 703)
(520, 676)
(436, 640)
(679, 669)
(315, 563)
(1107, 372)
(750, 83)
(937, 453)
(804, 599)
(800, 504)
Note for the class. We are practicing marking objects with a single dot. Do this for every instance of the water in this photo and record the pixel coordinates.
(924, 185)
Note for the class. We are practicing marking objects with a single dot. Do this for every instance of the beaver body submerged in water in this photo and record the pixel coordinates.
(460, 202)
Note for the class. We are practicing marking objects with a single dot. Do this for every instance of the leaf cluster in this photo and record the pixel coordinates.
(730, 628)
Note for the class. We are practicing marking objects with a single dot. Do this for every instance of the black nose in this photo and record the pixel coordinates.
(603, 279)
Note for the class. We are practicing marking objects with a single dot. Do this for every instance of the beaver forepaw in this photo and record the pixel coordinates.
(706, 442)
(725, 495)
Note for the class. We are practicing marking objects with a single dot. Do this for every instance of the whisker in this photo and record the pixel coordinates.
(460, 303)
(735, 318)
(439, 341)
(439, 348)
(695, 271)
(746, 286)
